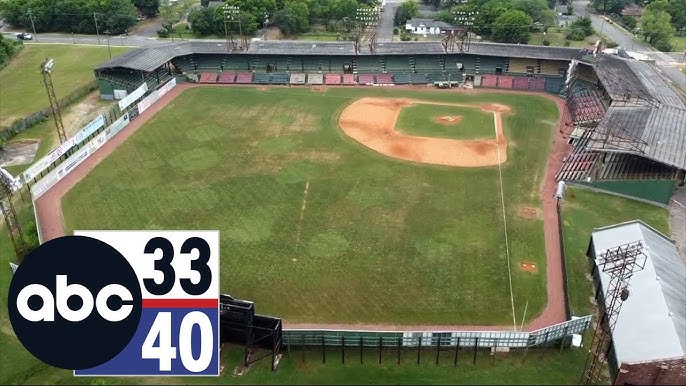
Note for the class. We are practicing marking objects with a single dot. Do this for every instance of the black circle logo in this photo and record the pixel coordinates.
(75, 302)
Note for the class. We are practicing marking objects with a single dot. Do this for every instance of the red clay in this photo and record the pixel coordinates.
(49, 213)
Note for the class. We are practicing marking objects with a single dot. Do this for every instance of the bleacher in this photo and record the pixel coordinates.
(208, 77)
(280, 78)
(468, 63)
(335, 64)
(624, 166)
(397, 65)
(519, 65)
(489, 80)
(585, 107)
(553, 67)
(365, 79)
(384, 79)
(436, 77)
(184, 63)
(208, 63)
(520, 82)
(332, 79)
(537, 84)
(315, 78)
(226, 78)
(488, 64)
(505, 81)
(307, 64)
(576, 166)
(349, 79)
(419, 79)
(236, 62)
(298, 78)
(425, 64)
(401, 78)
(244, 78)
(367, 64)
(554, 85)
(262, 78)
(585, 72)
(128, 80)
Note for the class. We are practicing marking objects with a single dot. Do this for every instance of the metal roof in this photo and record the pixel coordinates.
(297, 47)
(646, 108)
(652, 321)
(150, 58)
(524, 51)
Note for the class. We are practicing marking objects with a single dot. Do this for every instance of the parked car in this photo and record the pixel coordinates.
(24, 36)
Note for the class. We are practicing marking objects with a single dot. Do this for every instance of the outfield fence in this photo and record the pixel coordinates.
(49, 170)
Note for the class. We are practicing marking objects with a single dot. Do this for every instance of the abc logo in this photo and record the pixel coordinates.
(75, 302)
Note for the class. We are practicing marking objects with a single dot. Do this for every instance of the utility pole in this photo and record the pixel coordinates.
(109, 35)
(33, 25)
(46, 69)
(95, 18)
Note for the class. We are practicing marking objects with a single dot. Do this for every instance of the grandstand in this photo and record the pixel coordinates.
(627, 120)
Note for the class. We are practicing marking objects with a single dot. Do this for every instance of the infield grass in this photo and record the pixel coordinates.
(22, 92)
(469, 123)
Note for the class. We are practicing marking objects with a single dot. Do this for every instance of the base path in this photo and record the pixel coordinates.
(371, 121)
(49, 214)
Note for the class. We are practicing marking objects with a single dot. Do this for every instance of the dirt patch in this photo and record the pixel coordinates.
(19, 152)
(494, 108)
(528, 267)
(371, 121)
(528, 213)
(448, 119)
(318, 89)
(263, 88)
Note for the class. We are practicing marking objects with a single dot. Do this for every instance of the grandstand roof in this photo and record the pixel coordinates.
(298, 47)
(655, 116)
(524, 51)
(150, 58)
(652, 324)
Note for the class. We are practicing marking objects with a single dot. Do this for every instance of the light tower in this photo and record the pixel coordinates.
(7, 188)
(366, 19)
(459, 37)
(232, 14)
(619, 263)
(46, 69)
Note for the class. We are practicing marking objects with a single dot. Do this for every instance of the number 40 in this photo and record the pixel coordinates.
(165, 352)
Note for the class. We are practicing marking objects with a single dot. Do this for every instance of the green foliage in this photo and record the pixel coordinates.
(570, 9)
(629, 22)
(293, 18)
(149, 8)
(405, 12)
(580, 29)
(609, 6)
(488, 13)
(163, 32)
(71, 15)
(677, 9)
(7, 49)
(546, 42)
(655, 25)
(609, 43)
(512, 27)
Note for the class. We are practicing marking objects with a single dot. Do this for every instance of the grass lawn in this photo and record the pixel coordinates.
(420, 120)
(584, 210)
(374, 229)
(679, 43)
(22, 92)
(323, 36)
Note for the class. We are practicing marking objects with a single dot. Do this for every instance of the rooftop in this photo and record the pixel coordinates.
(652, 321)
(429, 23)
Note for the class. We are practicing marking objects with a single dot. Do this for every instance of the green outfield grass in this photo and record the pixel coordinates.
(380, 240)
(22, 92)
(420, 120)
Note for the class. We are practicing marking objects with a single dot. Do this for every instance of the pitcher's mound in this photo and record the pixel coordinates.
(448, 119)
(528, 267)
(494, 108)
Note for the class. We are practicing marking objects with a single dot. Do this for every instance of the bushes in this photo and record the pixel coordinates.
(546, 42)
(628, 21)
(662, 45)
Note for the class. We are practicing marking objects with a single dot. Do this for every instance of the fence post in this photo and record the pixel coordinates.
(361, 350)
(343, 349)
(323, 350)
(438, 350)
(289, 344)
(544, 342)
(419, 349)
(476, 345)
(380, 342)
(564, 337)
(400, 339)
(457, 350)
(303, 348)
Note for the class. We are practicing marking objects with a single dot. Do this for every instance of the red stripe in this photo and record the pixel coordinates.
(180, 303)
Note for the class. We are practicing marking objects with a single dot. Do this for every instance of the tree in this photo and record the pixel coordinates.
(656, 28)
(533, 8)
(293, 18)
(628, 21)
(609, 6)
(7, 49)
(405, 12)
(148, 8)
(512, 27)
(677, 9)
(580, 29)
(489, 12)
(204, 21)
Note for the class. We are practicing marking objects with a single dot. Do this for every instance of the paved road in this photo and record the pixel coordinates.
(664, 61)
(384, 30)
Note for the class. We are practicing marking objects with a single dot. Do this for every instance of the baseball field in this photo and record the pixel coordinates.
(323, 220)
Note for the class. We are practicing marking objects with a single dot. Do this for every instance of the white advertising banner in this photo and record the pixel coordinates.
(124, 103)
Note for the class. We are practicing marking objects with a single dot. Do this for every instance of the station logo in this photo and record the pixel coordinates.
(120, 303)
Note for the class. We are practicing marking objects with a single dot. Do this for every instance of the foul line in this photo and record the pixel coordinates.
(302, 209)
(502, 201)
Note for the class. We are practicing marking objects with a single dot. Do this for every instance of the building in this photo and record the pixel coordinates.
(648, 344)
(632, 10)
(427, 26)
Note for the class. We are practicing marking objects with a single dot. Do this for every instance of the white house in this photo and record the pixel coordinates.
(427, 26)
